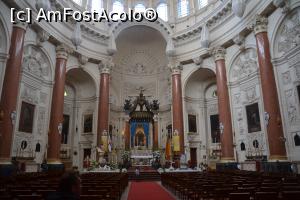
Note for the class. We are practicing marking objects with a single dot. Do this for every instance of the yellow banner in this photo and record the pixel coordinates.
(176, 143)
(104, 143)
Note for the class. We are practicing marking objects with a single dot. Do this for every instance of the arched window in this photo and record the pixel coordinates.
(139, 8)
(183, 8)
(97, 5)
(79, 2)
(243, 147)
(297, 140)
(117, 7)
(162, 11)
(202, 3)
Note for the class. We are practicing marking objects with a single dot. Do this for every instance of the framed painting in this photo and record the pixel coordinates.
(214, 128)
(88, 123)
(192, 119)
(253, 119)
(26, 117)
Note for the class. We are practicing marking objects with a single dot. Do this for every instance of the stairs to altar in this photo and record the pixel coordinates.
(146, 174)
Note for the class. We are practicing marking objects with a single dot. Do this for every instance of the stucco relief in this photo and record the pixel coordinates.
(297, 68)
(140, 62)
(35, 62)
(286, 78)
(41, 120)
(237, 98)
(250, 94)
(213, 109)
(67, 109)
(43, 97)
(244, 65)
(29, 95)
(289, 32)
(291, 107)
(240, 121)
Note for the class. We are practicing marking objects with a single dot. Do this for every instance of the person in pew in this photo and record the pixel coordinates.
(69, 188)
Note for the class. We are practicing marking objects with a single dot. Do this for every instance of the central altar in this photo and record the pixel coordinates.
(141, 133)
(140, 157)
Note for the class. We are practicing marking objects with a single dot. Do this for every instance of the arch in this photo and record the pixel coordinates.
(92, 75)
(297, 139)
(37, 58)
(185, 81)
(4, 36)
(286, 39)
(160, 25)
(242, 69)
(243, 146)
(78, 75)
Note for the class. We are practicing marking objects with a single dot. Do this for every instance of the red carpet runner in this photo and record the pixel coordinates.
(148, 191)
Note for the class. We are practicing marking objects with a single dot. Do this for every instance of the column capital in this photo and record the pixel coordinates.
(155, 118)
(62, 51)
(218, 53)
(175, 66)
(260, 24)
(105, 66)
(19, 24)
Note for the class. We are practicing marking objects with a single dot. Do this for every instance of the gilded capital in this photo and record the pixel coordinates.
(218, 53)
(62, 51)
(260, 24)
(105, 66)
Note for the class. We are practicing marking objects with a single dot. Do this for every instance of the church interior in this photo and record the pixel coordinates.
(202, 103)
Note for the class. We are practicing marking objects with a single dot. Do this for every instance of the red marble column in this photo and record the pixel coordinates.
(57, 106)
(127, 134)
(227, 148)
(177, 105)
(270, 97)
(10, 91)
(103, 106)
(155, 133)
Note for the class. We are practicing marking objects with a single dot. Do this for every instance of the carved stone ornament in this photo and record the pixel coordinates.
(105, 66)
(29, 95)
(291, 107)
(198, 60)
(244, 65)
(289, 32)
(36, 62)
(218, 53)
(260, 24)
(238, 7)
(204, 37)
(62, 51)
(42, 36)
(83, 60)
(19, 24)
(240, 41)
(175, 66)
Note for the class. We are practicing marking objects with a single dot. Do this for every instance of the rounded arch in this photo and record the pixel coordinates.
(285, 39)
(193, 71)
(160, 25)
(77, 76)
(204, 75)
(4, 36)
(239, 67)
(37, 61)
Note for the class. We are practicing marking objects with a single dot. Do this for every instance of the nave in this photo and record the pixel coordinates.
(226, 185)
